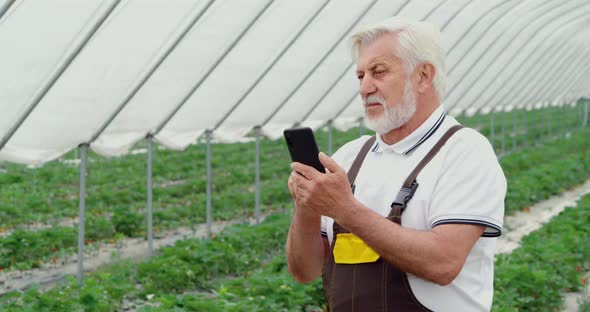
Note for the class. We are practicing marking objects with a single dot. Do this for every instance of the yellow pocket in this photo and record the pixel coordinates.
(350, 249)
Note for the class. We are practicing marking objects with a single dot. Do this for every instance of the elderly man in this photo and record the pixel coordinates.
(413, 225)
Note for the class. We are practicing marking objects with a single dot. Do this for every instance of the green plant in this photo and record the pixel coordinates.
(551, 261)
(128, 222)
(585, 306)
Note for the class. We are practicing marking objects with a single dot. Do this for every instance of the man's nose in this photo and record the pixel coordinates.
(367, 87)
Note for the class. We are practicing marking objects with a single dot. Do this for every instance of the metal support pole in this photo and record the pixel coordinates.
(526, 129)
(503, 132)
(536, 125)
(574, 121)
(479, 122)
(82, 219)
(549, 130)
(208, 134)
(570, 120)
(257, 173)
(576, 114)
(545, 112)
(544, 133)
(585, 119)
(514, 129)
(580, 113)
(580, 108)
(149, 196)
(493, 130)
(558, 121)
(564, 118)
(329, 125)
(542, 121)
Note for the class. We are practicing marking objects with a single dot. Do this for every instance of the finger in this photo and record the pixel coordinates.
(293, 191)
(301, 182)
(329, 163)
(293, 176)
(293, 179)
(296, 178)
(307, 171)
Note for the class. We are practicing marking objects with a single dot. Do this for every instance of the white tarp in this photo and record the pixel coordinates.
(149, 68)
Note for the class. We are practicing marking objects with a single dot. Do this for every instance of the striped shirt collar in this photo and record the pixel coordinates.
(419, 136)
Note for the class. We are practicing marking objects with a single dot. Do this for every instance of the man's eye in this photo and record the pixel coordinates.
(360, 77)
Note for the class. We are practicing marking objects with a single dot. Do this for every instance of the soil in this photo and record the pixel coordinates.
(104, 253)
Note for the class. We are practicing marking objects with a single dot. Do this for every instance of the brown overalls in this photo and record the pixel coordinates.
(375, 286)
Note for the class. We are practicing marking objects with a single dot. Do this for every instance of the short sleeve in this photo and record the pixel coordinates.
(324, 227)
(471, 186)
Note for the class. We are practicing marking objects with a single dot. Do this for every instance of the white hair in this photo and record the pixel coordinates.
(418, 43)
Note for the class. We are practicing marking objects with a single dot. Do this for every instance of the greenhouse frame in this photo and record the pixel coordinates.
(111, 75)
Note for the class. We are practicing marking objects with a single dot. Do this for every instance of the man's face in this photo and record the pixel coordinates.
(387, 95)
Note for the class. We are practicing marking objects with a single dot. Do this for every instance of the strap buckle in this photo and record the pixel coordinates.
(405, 194)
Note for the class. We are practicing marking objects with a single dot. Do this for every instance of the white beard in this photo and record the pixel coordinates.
(392, 117)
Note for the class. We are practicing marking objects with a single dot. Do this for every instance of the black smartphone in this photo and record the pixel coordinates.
(303, 148)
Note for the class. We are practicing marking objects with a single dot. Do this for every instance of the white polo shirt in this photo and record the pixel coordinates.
(463, 183)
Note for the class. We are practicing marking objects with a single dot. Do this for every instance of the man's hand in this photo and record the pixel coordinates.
(324, 194)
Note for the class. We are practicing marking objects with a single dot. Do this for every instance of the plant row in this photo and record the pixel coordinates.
(559, 164)
(187, 267)
(189, 264)
(50, 193)
(550, 262)
(523, 128)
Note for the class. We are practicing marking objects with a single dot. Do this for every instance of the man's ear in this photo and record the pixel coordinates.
(426, 73)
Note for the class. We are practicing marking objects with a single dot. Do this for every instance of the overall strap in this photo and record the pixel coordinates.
(358, 161)
(410, 185)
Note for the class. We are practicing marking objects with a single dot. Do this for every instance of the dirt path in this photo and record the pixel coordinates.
(522, 223)
(128, 248)
(515, 228)
(572, 301)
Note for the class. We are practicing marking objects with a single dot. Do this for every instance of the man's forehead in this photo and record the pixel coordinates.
(380, 50)
(373, 63)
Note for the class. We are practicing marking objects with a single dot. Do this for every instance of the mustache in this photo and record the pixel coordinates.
(374, 99)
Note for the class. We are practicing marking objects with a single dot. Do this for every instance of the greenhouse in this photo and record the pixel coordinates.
(143, 165)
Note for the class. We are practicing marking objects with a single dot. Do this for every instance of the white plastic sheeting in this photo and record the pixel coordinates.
(109, 73)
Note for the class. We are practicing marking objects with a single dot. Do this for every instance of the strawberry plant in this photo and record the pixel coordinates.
(551, 261)
(242, 268)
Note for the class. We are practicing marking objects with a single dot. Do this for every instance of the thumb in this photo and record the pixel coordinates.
(329, 163)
